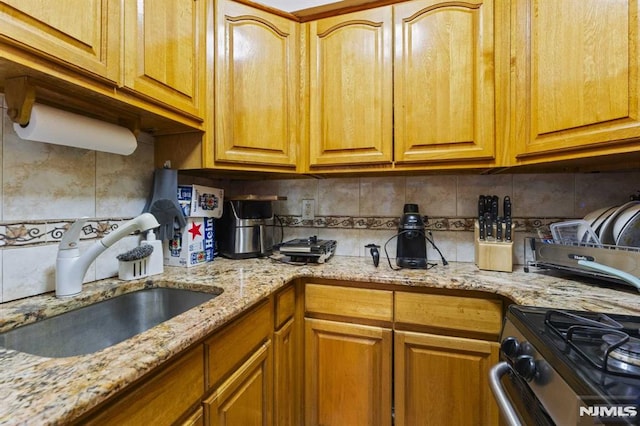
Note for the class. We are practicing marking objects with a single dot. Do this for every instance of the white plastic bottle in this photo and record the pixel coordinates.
(156, 261)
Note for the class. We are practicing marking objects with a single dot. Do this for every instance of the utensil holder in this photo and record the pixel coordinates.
(493, 255)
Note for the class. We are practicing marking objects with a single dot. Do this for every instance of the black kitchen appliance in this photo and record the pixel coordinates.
(412, 244)
(561, 367)
(308, 250)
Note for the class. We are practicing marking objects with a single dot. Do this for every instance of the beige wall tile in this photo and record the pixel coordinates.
(295, 190)
(45, 181)
(39, 261)
(543, 195)
(338, 196)
(436, 195)
(348, 240)
(596, 190)
(382, 196)
(123, 183)
(465, 247)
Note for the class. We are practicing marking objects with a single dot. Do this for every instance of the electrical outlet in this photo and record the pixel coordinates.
(308, 209)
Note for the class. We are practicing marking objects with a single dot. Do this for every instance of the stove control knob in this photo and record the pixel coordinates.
(525, 366)
(510, 347)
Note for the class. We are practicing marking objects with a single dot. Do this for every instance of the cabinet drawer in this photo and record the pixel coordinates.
(351, 302)
(228, 348)
(449, 312)
(285, 305)
(162, 399)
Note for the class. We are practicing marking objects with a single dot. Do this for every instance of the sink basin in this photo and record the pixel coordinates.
(103, 324)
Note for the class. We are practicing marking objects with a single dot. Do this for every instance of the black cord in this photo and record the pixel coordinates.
(279, 219)
(387, 253)
(429, 265)
(444, 261)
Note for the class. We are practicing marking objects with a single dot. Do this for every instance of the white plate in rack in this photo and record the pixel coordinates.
(605, 232)
(626, 230)
(593, 220)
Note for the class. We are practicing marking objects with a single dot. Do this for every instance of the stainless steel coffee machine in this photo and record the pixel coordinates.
(246, 227)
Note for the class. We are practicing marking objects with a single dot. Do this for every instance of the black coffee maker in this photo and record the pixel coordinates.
(412, 244)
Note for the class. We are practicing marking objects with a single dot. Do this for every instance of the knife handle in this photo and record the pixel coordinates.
(481, 227)
(494, 208)
(499, 229)
(507, 229)
(488, 223)
(507, 207)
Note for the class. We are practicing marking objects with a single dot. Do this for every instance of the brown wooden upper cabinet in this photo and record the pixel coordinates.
(409, 83)
(79, 34)
(256, 89)
(575, 78)
(164, 51)
(351, 93)
(444, 107)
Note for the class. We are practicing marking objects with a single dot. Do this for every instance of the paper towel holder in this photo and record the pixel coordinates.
(20, 95)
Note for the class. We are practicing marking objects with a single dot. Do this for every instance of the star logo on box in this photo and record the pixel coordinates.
(195, 230)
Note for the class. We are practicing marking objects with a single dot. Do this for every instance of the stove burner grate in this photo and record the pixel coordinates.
(619, 353)
(627, 353)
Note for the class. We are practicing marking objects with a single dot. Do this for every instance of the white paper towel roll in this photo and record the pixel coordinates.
(59, 127)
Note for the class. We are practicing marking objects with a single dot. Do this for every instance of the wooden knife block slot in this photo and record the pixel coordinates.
(493, 255)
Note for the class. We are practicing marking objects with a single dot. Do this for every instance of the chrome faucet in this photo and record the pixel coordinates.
(71, 266)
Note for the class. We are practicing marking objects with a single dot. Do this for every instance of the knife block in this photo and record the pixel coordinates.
(493, 255)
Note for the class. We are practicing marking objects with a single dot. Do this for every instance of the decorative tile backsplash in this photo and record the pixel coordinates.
(45, 187)
(35, 233)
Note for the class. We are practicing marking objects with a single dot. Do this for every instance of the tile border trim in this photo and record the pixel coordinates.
(33, 233)
(391, 223)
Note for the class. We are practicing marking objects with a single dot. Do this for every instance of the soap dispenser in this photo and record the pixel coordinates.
(156, 261)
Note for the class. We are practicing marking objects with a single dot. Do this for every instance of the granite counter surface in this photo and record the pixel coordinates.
(37, 390)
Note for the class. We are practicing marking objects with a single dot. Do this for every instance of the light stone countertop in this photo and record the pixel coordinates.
(36, 390)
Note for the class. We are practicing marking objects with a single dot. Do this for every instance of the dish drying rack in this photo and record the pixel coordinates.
(574, 247)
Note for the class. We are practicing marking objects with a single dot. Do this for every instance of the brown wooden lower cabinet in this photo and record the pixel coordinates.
(437, 377)
(348, 374)
(195, 419)
(161, 400)
(285, 369)
(246, 397)
(442, 380)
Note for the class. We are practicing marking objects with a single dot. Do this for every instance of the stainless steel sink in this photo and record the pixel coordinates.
(103, 324)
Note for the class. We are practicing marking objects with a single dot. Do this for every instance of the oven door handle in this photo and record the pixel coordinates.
(509, 413)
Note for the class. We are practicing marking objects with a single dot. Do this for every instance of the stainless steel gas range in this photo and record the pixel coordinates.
(563, 367)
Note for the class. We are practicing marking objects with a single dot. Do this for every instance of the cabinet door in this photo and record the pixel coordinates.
(351, 101)
(164, 51)
(246, 397)
(443, 380)
(256, 86)
(444, 81)
(160, 400)
(286, 394)
(81, 34)
(348, 374)
(576, 78)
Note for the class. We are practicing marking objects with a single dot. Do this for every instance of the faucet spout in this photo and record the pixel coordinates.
(71, 266)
